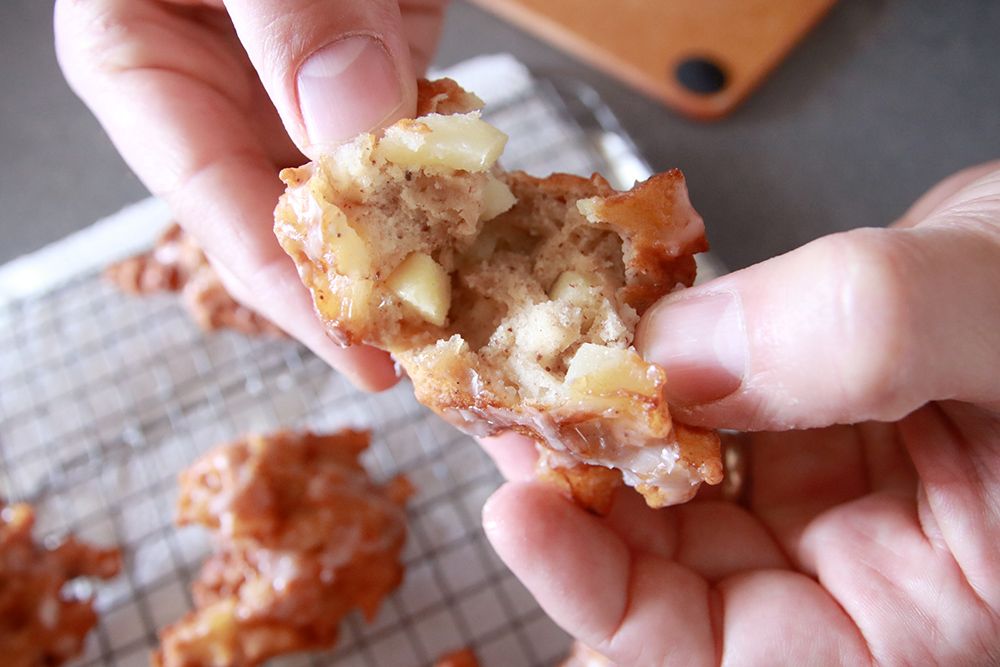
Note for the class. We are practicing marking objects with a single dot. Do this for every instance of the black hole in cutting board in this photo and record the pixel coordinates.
(700, 75)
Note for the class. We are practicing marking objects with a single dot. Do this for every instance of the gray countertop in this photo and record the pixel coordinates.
(882, 100)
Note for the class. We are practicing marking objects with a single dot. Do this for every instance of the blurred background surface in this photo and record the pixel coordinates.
(881, 101)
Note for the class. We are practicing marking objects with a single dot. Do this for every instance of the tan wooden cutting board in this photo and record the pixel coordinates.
(701, 57)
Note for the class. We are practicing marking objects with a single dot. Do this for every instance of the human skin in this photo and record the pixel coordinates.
(866, 381)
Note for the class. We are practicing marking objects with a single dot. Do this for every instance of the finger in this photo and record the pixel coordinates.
(514, 455)
(278, 288)
(170, 91)
(230, 205)
(940, 194)
(333, 68)
(641, 528)
(719, 539)
(775, 617)
(867, 325)
(877, 558)
(801, 474)
(955, 449)
(715, 539)
(641, 610)
(212, 3)
(422, 23)
(635, 610)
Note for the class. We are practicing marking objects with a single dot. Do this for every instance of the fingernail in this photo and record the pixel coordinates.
(701, 343)
(348, 87)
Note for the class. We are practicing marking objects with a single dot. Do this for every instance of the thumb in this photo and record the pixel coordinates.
(333, 68)
(870, 324)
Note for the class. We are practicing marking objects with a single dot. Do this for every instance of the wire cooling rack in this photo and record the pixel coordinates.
(104, 398)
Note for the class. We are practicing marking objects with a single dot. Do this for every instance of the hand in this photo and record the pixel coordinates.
(870, 542)
(207, 100)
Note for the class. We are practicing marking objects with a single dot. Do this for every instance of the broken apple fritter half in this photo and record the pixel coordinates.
(511, 301)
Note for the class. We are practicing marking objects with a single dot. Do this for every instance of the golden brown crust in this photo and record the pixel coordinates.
(303, 538)
(177, 264)
(700, 449)
(591, 487)
(662, 240)
(444, 96)
(40, 622)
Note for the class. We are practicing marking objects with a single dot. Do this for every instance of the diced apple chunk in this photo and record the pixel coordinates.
(570, 286)
(350, 303)
(423, 284)
(458, 141)
(588, 209)
(607, 371)
(350, 254)
(497, 199)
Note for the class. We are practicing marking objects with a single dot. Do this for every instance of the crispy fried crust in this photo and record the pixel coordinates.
(303, 538)
(590, 487)
(444, 96)
(662, 236)
(502, 357)
(177, 264)
(40, 622)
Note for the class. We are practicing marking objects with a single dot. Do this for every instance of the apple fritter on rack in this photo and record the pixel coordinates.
(41, 622)
(303, 537)
(177, 264)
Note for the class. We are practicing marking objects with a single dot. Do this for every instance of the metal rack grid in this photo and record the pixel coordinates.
(104, 398)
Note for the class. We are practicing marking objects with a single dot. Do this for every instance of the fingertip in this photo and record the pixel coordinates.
(699, 338)
(516, 518)
(540, 514)
(368, 368)
(350, 86)
(332, 69)
(573, 564)
(503, 509)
